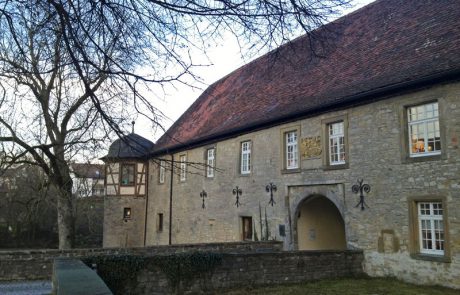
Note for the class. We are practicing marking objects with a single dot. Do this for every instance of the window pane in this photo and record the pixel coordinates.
(183, 167)
(162, 171)
(424, 134)
(336, 144)
(127, 174)
(431, 227)
(210, 163)
(245, 157)
(291, 150)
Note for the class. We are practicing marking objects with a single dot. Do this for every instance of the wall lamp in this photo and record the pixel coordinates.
(237, 192)
(270, 188)
(203, 195)
(361, 189)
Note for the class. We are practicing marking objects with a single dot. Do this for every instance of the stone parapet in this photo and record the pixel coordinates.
(37, 264)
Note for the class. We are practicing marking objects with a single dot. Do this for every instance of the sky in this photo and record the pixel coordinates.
(224, 58)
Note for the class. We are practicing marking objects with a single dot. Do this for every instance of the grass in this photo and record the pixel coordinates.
(364, 286)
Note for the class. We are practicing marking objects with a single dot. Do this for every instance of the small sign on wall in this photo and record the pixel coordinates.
(310, 147)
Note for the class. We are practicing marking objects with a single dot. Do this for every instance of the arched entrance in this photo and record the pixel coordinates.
(320, 225)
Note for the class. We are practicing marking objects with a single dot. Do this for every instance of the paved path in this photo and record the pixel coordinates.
(25, 288)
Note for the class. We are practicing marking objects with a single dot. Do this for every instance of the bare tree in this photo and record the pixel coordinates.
(73, 71)
(26, 208)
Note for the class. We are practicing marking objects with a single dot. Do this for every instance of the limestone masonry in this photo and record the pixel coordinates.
(283, 150)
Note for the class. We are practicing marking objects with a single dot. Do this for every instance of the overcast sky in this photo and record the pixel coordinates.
(225, 58)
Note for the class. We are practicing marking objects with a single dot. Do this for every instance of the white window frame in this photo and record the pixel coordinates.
(183, 167)
(422, 121)
(292, 153)
(436, 236)
(210, 162)
(336, 143)
(161, 176)
(245, 158)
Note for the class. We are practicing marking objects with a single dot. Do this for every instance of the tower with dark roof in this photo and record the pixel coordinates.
(126, 186)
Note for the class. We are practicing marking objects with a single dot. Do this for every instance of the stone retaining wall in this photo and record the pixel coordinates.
(254, 269)
(37, 264)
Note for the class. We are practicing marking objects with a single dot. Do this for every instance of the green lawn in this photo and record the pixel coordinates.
(369, 286)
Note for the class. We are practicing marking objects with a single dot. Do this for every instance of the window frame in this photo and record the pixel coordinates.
(127, 213)
(133, 165)
(404, 134)
(162, 172)
(243, 153)
(183, 167)
(210, 162)
(423, 122)
(284, 149)
(295, 150)
(415, 244)
(430, 219)
(336, 140)
(325, 143)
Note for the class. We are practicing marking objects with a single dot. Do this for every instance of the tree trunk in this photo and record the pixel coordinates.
(66, 217)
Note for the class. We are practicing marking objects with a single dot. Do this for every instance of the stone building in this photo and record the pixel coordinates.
(369, 104)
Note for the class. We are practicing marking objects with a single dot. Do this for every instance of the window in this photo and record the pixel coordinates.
(247, 228)
(245, 157)
(336, 149)
(424, 132)
(292, 156)
(428, 229)
(161, 173)
(160, 222)
(127, 174)
(335, 143)
(431, 228)
(210, 161)
(126, 213)
(183, 167)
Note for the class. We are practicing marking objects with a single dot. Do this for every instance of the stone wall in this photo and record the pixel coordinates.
(118, 230)
(255, 269)
(37, 264)
(376, 151)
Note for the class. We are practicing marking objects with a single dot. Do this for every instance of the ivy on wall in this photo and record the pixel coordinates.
(181, 268)
(117, 270)
(120, 271)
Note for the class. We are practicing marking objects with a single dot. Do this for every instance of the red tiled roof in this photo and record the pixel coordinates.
(385, 44)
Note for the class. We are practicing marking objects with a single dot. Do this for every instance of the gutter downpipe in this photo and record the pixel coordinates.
(170, 199)
(146, 199)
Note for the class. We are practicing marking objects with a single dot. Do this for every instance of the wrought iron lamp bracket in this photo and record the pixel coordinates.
(270, 188)
(203, 195)
(237, 192)
(361, 189)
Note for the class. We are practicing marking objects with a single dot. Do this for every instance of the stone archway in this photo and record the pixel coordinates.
(319, 225)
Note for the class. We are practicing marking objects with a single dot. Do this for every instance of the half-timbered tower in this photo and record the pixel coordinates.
(126, 198)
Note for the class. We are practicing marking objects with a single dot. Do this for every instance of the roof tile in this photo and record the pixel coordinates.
(385, 43)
